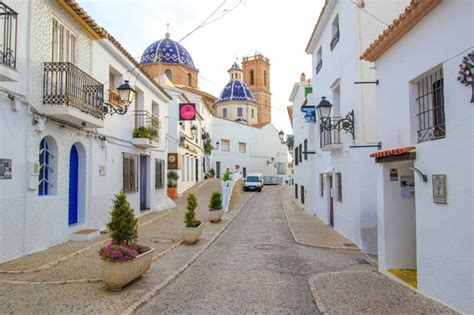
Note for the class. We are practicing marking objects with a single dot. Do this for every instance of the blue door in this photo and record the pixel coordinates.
(143, 183)
(73, 184)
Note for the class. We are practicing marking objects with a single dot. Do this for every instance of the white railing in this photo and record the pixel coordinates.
(227, 187)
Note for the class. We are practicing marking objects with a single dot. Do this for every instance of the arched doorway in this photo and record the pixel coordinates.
(73, 185)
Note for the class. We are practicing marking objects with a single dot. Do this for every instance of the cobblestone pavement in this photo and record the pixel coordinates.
(255, 267)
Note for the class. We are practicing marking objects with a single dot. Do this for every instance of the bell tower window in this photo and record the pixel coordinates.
(252, 79)
(190, 79)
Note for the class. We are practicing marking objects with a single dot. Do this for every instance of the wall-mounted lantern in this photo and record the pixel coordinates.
(126, 94)
(324, 111)
(289, 140)
(271, 161)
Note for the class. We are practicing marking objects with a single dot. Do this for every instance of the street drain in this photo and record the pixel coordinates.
(269, 247)
(361, 261)
(163, 241)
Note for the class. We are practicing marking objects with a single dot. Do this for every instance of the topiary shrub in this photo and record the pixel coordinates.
(216, 201)
(172, 179)
(189, 217)
(123, 225)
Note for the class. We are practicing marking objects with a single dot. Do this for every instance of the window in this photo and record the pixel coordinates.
(169, 74)
(296, 155)
(190, 79)
(240, 112)
(265, 78)
(8, 30)
(321, 185)
(319, 60)
(224, 112)
(430, 100)
(183, 167)
(46, 167)
(305, 143)
(339, 187)
(300, 153)
(63, 43)
(225, 145)
(302, 194)
(242, 147)
(296, 191)
(335, 32)
(253, 113)
(159, 174)
(252, 79)
(130, 172)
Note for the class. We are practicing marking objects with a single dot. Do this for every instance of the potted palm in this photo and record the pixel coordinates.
(123, 259)
(172, 184)
(193, 227)
(215, 207)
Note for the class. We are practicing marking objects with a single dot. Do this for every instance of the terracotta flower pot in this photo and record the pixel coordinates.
(116, 275)
(191, 235)
(215, 215)
(172, 192)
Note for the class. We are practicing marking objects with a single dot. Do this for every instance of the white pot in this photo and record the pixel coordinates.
(118, 274)
(191, 235)
(215, 215)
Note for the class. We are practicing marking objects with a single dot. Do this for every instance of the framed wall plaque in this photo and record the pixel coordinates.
(439, 188)
(173, 161)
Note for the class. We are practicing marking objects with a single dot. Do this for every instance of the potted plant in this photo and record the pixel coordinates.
(172, 184)
(215, 207)
(193, 227)
(123, 259)
(227, 175)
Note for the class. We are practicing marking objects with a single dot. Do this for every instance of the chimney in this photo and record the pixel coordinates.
(302, 77)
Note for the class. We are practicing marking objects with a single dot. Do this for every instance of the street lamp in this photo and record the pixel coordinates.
(289, 140)
(126, 94)
(271, 161)
(217, 145)
(324, 111)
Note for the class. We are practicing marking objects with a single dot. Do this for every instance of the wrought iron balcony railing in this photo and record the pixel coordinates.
(67, 85)
(329, 137)
(8, 35)
(319, 66)
(335, 40)
(147, 125)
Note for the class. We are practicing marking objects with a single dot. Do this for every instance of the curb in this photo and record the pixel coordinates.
(295, 238)
(156, 290)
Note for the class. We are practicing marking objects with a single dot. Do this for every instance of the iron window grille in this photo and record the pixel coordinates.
(296, 156)
(430, 100)
(45, 169)
(8, 32)
(335, 39)
(130, 164)
(159, 174)
(321, 185)
(296, 191)
(339, 186)
(319, 66)
(66, 84)
(300, 149)
(331, 136)
(305, 146)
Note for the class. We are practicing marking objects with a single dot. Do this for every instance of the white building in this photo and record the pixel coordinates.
(304, 137)
(345, 174)
(62, 158)
(425, 120)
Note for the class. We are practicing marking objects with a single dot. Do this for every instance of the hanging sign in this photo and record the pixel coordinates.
(309, 113)
(187, 111)
(173, 161)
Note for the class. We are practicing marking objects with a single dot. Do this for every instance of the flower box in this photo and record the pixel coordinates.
(215, 215)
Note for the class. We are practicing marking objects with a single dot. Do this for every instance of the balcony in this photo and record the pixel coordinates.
(335, 40)
(8, 32)
(319, 66)
(72, 96)
(147, 130)
(330, 140)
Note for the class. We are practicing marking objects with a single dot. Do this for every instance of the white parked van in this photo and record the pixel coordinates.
(253, 181)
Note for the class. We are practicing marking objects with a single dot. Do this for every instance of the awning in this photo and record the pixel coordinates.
(396, 154)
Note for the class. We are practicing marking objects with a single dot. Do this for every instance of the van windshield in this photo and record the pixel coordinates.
(252, 179)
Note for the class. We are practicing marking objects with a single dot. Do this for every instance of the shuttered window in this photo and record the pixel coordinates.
(159, 173)
(130, 172)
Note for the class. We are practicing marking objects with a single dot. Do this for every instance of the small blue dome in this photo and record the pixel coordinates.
(236, 90)
(167, 50)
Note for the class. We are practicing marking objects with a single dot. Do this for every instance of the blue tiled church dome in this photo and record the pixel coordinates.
(167, 50)
(236, 90)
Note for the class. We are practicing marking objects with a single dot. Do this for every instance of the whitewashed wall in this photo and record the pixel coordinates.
(444, 233)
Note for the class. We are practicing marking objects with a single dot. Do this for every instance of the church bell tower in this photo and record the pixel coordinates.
(256, 70)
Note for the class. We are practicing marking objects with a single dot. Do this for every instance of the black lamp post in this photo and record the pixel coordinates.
(126, 94)
(324, 111)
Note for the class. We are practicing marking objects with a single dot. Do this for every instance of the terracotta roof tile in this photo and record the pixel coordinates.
(390, 152)
(413, 13)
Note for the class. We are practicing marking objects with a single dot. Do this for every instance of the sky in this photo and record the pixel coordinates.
(279, 30)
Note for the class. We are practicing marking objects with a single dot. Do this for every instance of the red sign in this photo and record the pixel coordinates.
(187, 111)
